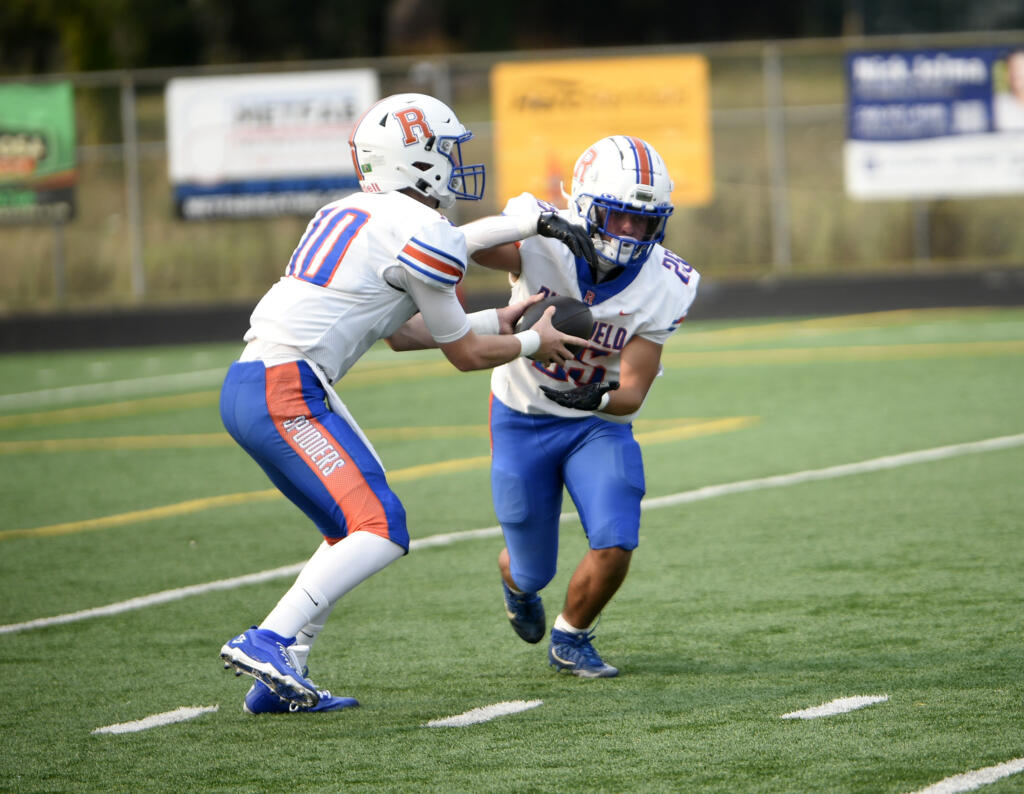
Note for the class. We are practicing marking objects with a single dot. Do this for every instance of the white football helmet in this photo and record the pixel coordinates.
(622, 191)
(414, 141)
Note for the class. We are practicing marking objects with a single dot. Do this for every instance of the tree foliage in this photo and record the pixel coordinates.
(39, 36)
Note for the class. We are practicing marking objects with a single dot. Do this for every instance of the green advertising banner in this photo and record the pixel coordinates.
(37, 153)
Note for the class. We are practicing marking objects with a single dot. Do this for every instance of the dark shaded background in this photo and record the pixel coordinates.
(44, 36)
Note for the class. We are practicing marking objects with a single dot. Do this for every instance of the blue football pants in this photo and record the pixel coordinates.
(279, 416)
(533, 457)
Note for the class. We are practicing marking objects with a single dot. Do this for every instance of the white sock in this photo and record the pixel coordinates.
(307, 634)
(299, 607)
(299, 654)
(330, 573)
(564, 625)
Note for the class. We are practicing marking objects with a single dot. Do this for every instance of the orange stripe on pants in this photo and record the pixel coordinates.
(342, 478)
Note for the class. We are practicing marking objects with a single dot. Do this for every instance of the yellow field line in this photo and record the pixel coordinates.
(410, 473)
(693, 430)
(442, 368)
(843, 322)
(110, 410)
(427, 433)
(149, 514)
(690, 428)
(796, 355)
(194, 440)
(184, 441)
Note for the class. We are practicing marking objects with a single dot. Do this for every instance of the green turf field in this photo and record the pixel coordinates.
(745, 603)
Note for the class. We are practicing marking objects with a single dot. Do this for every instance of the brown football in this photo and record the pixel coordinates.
(572, 316)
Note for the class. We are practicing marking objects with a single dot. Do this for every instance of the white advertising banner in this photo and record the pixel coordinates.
(929, 124)
(264, 144)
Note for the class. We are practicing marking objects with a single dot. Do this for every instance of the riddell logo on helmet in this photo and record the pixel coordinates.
(412, 120)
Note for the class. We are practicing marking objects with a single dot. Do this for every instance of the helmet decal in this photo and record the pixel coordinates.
(586, 160)
(642, 160)
(411, 120)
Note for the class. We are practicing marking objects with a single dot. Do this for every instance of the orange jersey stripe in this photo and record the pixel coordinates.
(361, 507)
(431, 261)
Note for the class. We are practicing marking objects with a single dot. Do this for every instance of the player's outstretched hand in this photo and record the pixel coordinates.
(582, 398)
(574, 237)
(509, 315)
(554, 345)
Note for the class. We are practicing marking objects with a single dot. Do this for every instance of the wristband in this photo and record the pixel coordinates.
(485, 322)
(529, 342)
(498, 229)
(605, 399)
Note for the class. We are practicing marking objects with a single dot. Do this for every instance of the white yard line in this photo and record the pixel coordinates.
(837, 706)
(156, 720)
(707, 492)
(969, 781)
(844, 470)
(156, 598)
(131, 387)
(485, 713)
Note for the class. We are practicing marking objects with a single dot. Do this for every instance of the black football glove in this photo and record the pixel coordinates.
(582, 398)
(574, 237)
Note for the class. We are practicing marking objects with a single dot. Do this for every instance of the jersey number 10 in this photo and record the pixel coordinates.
(324, 244)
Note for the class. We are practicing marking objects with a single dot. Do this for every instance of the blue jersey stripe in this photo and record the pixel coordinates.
(321, 234)
(442, 254)
(305, 237)
(431, 273)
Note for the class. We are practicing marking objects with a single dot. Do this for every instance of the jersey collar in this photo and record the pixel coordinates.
(606, 289)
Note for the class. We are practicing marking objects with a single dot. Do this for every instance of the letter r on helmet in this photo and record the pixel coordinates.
(412, 119)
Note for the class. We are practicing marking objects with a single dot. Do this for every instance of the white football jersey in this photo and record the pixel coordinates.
(334, 302)
(649, 301)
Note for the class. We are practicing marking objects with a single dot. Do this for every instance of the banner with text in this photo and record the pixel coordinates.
(935, 123)
(37, 153)
(547, 113)
(268, 144)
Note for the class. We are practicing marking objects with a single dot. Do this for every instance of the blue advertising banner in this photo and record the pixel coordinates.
(934, 123)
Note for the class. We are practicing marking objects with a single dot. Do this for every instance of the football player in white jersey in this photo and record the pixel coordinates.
(569, 424)
(383, 263)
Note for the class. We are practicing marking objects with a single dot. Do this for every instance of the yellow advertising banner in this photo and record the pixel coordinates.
(547, 113)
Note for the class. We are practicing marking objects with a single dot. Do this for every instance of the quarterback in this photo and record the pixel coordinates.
(568, 424)
(379, 264)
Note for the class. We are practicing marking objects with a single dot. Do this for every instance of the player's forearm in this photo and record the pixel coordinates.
(482, 351)
(503, 257)
(625, 400)
(413, 335)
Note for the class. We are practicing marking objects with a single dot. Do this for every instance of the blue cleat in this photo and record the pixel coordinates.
(263, 654)
(526, 614)
(573, 652)
(260, 699)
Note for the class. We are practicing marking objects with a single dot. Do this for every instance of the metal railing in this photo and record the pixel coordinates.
(779, 208)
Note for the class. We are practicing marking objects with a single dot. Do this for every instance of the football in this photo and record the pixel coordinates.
(571, 316)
